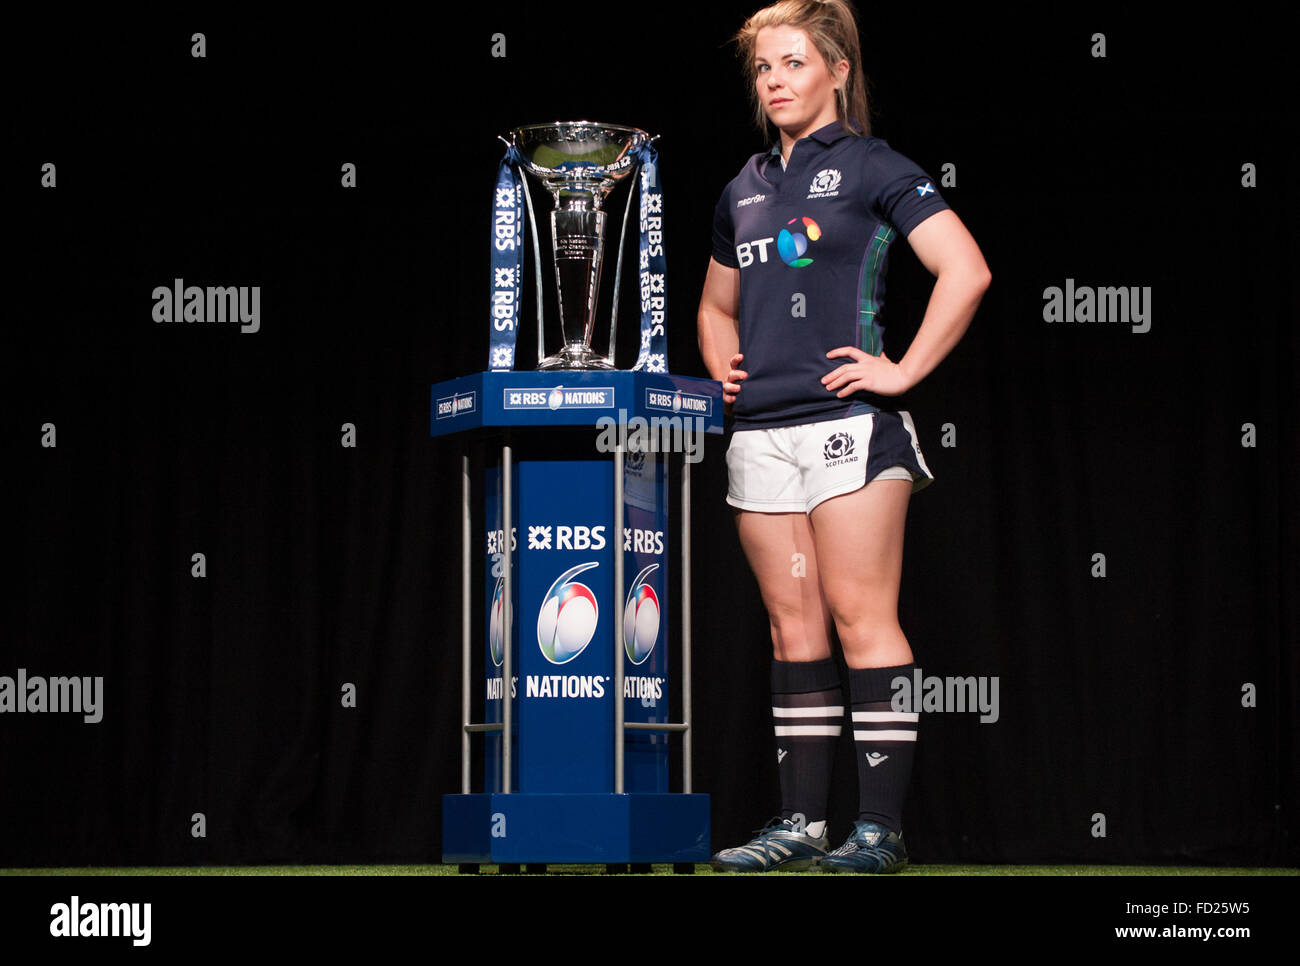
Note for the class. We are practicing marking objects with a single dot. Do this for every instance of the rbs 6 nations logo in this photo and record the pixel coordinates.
(641, 618)
(496, 623)
(567, 620)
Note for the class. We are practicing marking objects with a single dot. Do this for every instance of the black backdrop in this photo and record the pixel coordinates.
(1120, 695)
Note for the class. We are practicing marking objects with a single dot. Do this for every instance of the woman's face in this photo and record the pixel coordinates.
(794, 84)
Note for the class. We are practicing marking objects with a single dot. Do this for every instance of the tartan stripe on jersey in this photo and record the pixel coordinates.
(870, 289)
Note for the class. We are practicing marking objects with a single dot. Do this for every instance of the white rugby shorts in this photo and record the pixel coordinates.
(791, 469)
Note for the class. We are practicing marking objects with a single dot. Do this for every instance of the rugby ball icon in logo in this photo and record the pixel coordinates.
(496, 623)
(641, 618)
(567, 619)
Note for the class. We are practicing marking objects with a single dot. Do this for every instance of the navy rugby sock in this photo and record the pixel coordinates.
(884, 741)
(808, 715)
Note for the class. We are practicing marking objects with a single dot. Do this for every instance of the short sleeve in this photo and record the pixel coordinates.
(906, 195)
(724, 233)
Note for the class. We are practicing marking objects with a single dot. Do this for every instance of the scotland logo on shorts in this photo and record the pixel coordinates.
(824, 184)
(791, 245)
(567, 619)
(641, 618)
(839, 449)
(496, 623)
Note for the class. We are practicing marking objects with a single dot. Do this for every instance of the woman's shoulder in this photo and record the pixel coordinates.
(868, 146)
(876, 151)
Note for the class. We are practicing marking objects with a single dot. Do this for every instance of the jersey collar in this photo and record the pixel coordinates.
(827, 135)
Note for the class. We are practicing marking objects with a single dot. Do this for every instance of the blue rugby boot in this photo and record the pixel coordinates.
(780, 845)
(871, 848)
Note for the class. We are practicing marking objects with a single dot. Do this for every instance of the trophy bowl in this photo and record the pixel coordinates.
(579, 163)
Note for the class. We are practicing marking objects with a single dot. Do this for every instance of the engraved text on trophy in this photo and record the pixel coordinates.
(579, 240)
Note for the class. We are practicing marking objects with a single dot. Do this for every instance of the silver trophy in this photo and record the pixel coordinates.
(579, 163)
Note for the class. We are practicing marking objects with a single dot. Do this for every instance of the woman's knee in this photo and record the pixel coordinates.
(797, 637)
(874, 643)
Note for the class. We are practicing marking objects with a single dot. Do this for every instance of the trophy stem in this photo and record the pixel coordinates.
(578, 232)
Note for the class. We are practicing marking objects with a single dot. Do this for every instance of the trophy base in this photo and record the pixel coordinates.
(575, 356)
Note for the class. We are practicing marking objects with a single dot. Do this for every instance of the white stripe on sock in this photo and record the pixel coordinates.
(884, 736)
(886, 716)
(826, 730)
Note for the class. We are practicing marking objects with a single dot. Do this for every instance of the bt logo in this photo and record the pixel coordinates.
(790, 245)
(745, 254)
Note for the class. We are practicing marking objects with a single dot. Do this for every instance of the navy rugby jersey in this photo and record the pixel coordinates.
(811, 243)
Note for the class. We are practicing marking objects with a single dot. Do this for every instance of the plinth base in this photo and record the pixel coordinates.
(575, 828)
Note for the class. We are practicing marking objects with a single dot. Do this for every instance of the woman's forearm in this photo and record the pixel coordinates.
(956, 295)
(719, 342)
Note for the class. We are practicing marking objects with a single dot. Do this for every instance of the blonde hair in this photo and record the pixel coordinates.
(832, 27)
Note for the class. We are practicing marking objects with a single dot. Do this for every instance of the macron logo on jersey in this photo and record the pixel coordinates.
(925, 189)
(751, 200)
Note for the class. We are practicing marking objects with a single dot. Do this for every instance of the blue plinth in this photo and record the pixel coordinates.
(555, 399)
(565, 643)
(578, 828)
